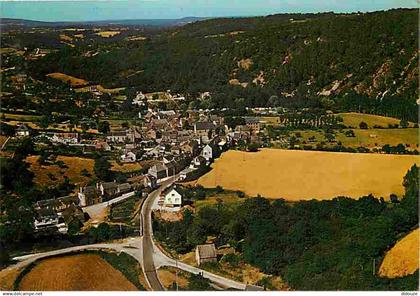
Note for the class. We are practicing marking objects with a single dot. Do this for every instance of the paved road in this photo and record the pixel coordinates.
(154, 258)
(96, 211)
(148, 249)
(125, 246)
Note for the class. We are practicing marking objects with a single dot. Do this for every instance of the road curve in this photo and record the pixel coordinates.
(154, 258)
(148, 246)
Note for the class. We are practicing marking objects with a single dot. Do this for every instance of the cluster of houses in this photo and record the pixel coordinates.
(182, 145)
(57, 215)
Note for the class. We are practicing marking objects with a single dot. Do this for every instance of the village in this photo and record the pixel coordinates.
(167, 144)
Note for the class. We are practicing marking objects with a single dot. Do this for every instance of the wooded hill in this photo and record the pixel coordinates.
(372, 55)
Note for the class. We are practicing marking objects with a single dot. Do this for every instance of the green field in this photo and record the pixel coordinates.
(353, 119)
(370, 138)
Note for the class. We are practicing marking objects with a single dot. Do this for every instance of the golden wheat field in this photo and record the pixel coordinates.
(403, 258)
(84, 272)
(74, 81)
(303, 175)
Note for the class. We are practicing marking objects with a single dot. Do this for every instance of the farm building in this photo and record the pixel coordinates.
(205, 253)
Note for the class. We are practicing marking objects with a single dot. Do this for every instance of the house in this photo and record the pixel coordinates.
(198, 161)
(22, 131)
(207, 153)
(89, 195)
(253, 123)
(187, 173)
(128, 157)
(150, 182)
(152, 134)
(47, 220)
(202, 129)
(117, 137)
(65, 138)
(159, 171)
(205, 253)
(172, 198)
(109, 189)
(102, 146)
(73, 211)
(56, 204)
(159, 124)
(190, 147)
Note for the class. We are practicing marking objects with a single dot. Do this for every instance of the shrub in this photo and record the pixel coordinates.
(363, 125)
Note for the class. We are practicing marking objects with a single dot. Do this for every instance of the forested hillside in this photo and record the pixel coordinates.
(293, 57)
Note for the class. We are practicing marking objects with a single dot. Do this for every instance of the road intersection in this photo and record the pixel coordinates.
(142, 248)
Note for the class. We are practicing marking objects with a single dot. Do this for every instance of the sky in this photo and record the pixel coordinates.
(93, 10)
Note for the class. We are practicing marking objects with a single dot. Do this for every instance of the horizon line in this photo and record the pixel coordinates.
(186, 17)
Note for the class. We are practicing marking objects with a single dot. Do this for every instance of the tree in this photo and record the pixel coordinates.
(6, 129)
(74, 226)
(103, 127)
(253, 147)
(363, 125)
(16, 220)
(102, 169)
(104, 232)
(349, 133)
(198, 283)
(44, 122)
(4, 256)
(404, 123)
(393, 198)
(273, 101)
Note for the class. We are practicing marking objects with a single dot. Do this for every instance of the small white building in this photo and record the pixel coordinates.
(172, 199)
(22, 131)
(128, 157)
(207, 153)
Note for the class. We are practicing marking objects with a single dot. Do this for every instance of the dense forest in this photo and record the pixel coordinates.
(313, 245)
(347, 58)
